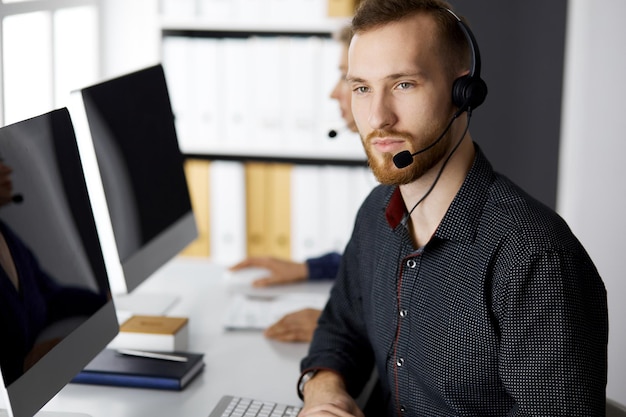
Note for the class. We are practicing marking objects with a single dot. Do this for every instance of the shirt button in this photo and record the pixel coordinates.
(404, 312)
(402, 409)
(400, 362)
(411, 263)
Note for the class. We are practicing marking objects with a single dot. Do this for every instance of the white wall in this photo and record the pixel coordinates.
(130, 36)
(591, 191)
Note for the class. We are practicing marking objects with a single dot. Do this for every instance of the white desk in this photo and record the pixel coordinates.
(239, 363)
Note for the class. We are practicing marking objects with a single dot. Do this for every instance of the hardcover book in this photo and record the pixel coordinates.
(113, 368)
(153, 333)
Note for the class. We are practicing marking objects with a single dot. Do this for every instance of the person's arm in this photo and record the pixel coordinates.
(295, 327)
(553, 318)
(323, 267)
(340, 343)
(281, 271)
(300, 325)
(342, 340)
(325, 394)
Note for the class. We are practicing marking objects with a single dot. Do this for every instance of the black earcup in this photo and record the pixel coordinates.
(468, 92)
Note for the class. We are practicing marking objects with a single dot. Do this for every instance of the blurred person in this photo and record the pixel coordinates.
(299, 326)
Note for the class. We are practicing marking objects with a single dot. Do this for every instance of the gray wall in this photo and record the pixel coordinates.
(522, 49)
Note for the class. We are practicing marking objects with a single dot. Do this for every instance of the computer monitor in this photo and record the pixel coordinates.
(128, 124)
(56, 312)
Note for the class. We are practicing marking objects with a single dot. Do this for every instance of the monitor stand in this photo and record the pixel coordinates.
(144, 303)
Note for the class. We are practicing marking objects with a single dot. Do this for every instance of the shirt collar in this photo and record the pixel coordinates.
(461, 219)
(396, 210)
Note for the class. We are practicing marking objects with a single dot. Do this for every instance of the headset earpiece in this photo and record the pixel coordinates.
(469, 91)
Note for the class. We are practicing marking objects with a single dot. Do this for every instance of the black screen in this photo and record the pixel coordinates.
(134, 136)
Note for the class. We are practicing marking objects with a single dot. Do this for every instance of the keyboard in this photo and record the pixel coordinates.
(231, 406)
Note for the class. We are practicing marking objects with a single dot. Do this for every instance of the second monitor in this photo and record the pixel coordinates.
(125, 126)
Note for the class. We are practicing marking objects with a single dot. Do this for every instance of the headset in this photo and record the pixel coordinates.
(469, 91)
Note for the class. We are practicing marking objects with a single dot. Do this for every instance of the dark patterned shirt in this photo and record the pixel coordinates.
(501, 313)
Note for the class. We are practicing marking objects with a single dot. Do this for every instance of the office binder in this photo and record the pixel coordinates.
(307, 202)
(197, 173)
(279, 210)
(257, 190)
(227, 218)
(341, 8)
(268, 209)
(207, 90)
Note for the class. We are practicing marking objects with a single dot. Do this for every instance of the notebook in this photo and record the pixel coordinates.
(113, 368)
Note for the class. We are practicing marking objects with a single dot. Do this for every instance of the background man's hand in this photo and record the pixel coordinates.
(281, 271)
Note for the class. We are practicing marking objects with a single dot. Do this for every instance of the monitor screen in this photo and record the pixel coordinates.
(130, 128)
(56, 311)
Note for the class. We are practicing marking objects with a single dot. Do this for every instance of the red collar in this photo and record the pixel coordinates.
(395, 209)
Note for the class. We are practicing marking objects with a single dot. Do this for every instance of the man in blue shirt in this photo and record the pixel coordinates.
(468, 296)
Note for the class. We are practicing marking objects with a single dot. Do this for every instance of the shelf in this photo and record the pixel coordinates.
(228, 80)
(191, 26)
(296, 159)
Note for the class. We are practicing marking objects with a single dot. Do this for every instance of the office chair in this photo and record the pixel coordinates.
(614, 409)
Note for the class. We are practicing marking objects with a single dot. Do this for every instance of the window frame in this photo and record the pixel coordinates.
(50, 6)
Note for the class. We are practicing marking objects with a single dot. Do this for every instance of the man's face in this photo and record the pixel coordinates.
(401, 96)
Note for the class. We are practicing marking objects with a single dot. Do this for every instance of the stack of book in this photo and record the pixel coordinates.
(148, 352)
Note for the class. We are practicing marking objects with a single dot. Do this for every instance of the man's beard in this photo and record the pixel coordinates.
(385, 170)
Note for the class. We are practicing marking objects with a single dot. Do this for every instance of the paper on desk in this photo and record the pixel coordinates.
(249, 312)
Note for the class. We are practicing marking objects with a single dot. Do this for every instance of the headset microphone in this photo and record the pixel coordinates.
(333, 133)
(405, 158)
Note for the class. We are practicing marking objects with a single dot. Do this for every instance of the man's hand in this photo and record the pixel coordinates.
(295, 327)
(281, 271)
(325, 395)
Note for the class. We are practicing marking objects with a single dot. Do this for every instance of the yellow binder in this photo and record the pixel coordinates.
(197, 173)
(341, 8)
(268, 209)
